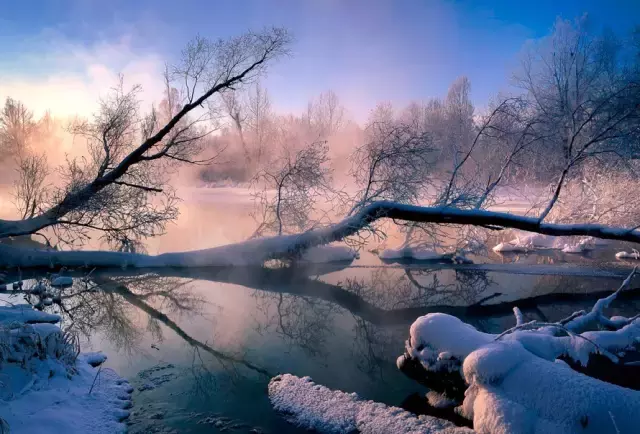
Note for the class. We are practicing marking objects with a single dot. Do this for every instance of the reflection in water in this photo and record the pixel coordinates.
(343, 328)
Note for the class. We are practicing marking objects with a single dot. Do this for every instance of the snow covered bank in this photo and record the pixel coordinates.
(527, 242)
(628, 255)
(46, 386)
(315, 407)
(511, 390)
(518, 381)
(418, 254)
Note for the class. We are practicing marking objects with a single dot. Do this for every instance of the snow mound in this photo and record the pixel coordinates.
(25, 313)
(511, 247)
(95, 359)
(527, 242)
(324, 254)
(513, 391)
(627, 255)
(46, 386)
(438, 339)
(418, 254)
(315, 407)
(61, 403)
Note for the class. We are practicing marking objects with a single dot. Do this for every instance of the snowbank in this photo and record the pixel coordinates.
(527, 242)
(61, 403)
(418, 254)
(626, 255)
(24, 313)
(325, 254)
(513, 391)
(48, 387)
(315, 407)
(516, 380)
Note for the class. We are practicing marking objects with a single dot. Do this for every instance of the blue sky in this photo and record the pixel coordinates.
(366, 51)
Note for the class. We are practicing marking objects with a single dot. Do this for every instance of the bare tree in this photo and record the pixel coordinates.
(583, 97)
(113, 189)
(16, 128)
(30, 191)
(325, 114)
(394, 164)
(291, 190)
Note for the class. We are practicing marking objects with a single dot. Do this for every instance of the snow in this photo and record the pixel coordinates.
(516, 382)
(513, 391)
(24, 313)
(95, 359)
(438, 339)
(510, 247)
(48, 387)
(257, 251)
(626, 255)
(441, 342)
(315, 407)
(325, 254)
(61, 403)
(439, 400)
(527, 242)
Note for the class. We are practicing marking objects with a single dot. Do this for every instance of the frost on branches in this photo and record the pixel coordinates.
(531, 377)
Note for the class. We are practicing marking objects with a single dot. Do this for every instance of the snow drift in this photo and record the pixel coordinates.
(48, 387)
(315, 407)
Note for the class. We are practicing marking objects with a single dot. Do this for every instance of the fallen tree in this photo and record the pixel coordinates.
(258, 251)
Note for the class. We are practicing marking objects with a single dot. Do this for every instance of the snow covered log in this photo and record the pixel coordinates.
(521, 380)
(315, 407)
(257, 251)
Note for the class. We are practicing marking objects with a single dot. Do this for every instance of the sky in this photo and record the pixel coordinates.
(63, 55)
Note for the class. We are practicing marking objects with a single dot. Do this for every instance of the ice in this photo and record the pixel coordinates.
(315, 407)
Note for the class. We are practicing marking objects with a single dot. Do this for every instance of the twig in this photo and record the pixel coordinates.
(95, 378)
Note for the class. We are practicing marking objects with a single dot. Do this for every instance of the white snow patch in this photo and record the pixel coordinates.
(628, 255)
(315, 407)
(439, 400)
(25, 313)
(47, 387)
(527, 242)
(513, 391)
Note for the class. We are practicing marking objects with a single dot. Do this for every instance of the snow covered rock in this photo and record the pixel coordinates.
(315, 407)
(627, 255)
(527, 242)
(513, 391)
